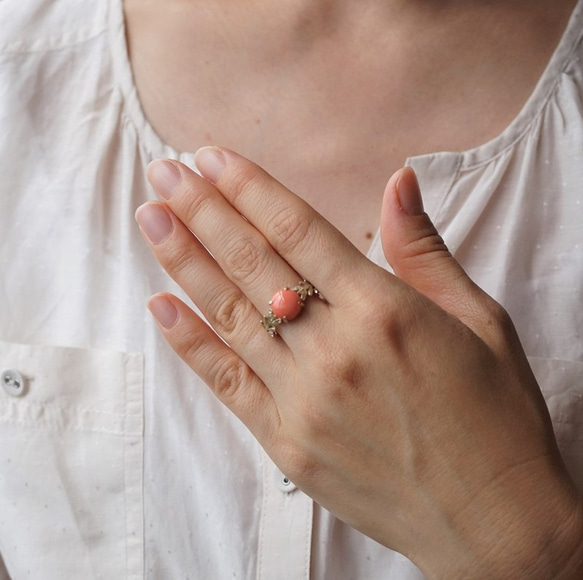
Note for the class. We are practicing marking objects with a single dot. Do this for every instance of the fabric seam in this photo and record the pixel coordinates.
(551, 90)
(64, 40)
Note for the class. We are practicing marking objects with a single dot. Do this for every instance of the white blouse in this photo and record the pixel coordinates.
(115, 460)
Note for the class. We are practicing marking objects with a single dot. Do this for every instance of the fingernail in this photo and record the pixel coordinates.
(163, 311)
(164, 177)
(210, 161)
(409, 193)
(155, 222)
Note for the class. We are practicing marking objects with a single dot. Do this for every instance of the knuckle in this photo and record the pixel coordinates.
(179, 261)
(496, 317)
(291, 229)
(349, 374)
(190, 347)
(426, 242)
(193, 201)
(500, 315)
(228, 376)
(244, 259)
(389, 318)
(342, 382)
(231, 313)
(397, 335)
(342, 373)
(318, 416)
(245, 180)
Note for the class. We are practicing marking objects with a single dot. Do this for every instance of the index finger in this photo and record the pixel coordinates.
(307, 241)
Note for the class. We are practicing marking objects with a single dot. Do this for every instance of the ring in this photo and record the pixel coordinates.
(287, 304)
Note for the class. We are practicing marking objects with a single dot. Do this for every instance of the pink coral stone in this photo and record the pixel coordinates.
(286, 303)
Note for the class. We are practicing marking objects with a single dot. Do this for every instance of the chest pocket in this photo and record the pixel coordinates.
(71, 469)
(562, 384)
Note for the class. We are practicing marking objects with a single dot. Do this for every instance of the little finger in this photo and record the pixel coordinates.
(221, 302)
(231, 380)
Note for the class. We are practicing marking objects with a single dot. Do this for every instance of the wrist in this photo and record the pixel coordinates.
(535, 536)
(571, 538)
(548, 546)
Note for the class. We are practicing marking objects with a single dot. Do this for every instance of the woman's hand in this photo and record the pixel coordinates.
(403, 404)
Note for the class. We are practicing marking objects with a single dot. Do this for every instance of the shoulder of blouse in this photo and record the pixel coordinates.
(46, 25)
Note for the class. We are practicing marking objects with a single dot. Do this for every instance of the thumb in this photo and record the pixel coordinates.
(419, 256)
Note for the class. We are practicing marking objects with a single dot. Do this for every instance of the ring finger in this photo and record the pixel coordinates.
(241, 251)
(222, 303)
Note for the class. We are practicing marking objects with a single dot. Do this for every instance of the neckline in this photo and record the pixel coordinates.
(450, 162)
(530, 111)
(147, 137)
(468, 159)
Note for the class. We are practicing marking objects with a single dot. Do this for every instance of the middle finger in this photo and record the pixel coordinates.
(242, 252)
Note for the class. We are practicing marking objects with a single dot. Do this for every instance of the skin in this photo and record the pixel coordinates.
(478, 492)
(332, 97)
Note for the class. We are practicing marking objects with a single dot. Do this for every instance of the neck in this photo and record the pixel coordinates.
(260, 28)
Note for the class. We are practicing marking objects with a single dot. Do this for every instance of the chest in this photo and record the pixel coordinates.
(333, 119)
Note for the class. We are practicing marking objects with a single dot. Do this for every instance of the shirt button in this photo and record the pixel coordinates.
(283, 482)
(12, 382)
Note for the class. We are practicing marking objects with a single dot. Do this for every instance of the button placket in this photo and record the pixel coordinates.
(285, 537)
